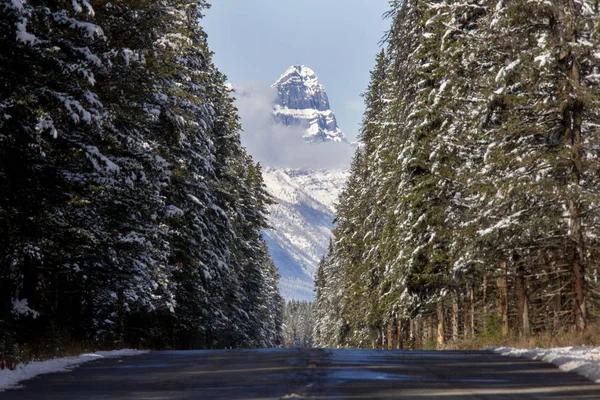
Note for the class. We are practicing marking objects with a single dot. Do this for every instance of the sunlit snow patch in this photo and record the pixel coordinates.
(10, 379)
(583, 360)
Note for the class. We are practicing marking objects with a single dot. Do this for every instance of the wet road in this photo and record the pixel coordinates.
(313, 374)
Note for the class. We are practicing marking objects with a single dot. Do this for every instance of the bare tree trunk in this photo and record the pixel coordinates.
(557, 303)
(501, 298)
(121, 314)
(385, 330)
(577, 269)
(469, 319)
(401, 335)
(418, 342)
(485, 299)
(522, 302)
(574, 206)
(455, 317)
(411, 336)
(391, 341)
(440, 323)
(431, 325)
(375, 338)
(399, 332)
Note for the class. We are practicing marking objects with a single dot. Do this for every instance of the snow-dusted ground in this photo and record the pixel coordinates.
(583, 360)
(10, 379)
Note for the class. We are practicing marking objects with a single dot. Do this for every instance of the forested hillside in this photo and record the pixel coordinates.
(472, 204)
(129, 211)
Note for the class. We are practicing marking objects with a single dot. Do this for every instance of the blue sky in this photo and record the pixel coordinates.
(256, 40)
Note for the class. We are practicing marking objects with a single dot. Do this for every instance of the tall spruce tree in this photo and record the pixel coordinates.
(130, 211)
(478, 171)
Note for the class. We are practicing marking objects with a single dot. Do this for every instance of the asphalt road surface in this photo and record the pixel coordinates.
(310, 374)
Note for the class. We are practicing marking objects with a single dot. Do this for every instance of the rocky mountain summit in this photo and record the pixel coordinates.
(302, 100)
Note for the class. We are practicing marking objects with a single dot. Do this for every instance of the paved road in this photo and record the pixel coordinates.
(315, 374)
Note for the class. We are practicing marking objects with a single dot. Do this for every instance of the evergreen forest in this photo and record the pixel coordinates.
(473, 199)
(298, 324)
(130, 213)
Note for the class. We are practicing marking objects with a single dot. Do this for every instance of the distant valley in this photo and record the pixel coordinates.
(305, 192)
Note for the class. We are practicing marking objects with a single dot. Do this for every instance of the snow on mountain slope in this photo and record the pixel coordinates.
(302, 219)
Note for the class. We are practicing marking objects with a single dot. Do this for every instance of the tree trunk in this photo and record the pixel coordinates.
(577, 269)
(440, 323)
(557, 304)
(501, 298)
(455, 317)
(410, 340)
(484, 307)
(121, 314)
(411, 337)
(431, 329)
(401, 335)
(399, 332)
(522, 302)
(469, 319)
(418, 340)
(573, 116)
(576, 234)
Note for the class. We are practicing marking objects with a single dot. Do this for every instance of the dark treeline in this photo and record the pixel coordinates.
(129, 211)
(473, 200)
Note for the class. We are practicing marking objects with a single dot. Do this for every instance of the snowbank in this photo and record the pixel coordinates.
(584, 360)
(10, 379)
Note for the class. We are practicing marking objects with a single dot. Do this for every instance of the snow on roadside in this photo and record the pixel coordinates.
(583, 360)
(10, 379)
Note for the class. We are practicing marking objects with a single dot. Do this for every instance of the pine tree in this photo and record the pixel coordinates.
(130, 210)
(478, 171)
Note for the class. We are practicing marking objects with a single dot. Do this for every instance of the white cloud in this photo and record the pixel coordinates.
(277, 145)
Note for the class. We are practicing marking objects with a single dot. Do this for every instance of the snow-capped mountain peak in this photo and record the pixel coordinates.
(302, 100)
(301, 74)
